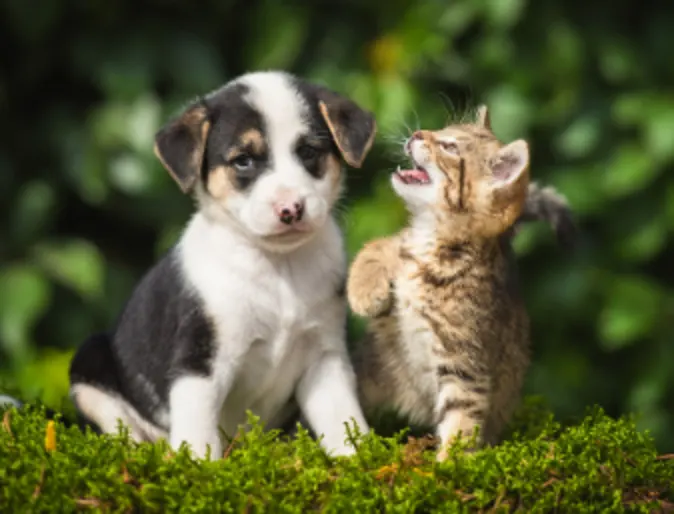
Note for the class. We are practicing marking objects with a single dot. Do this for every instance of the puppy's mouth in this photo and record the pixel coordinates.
(416, 176)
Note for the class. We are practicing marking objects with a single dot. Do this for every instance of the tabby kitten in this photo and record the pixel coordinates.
(448, 338)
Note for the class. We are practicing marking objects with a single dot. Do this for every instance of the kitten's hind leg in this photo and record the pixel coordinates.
(462, 406)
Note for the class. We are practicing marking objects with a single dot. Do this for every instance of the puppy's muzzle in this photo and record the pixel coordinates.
(289, 212)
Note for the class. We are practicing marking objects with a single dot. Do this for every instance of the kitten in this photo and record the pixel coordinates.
(448, 338)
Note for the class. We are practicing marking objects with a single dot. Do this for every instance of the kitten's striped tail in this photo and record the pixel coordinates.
(549, 205)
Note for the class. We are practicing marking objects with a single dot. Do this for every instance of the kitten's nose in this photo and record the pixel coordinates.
(416, 136)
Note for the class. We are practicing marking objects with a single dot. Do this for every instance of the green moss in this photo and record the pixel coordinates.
(597, 465)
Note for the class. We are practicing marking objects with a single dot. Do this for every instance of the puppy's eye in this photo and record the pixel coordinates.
(242, 162)
(450, 147)
(307, 152)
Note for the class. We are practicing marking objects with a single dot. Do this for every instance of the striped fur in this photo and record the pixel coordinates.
(448, 334)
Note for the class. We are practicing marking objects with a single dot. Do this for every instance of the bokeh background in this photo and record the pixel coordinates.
(86, 208)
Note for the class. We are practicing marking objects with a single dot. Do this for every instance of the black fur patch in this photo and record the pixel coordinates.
(162, 333)
(231, 117)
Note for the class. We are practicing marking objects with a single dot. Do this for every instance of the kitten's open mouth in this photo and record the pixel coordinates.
(417, 175)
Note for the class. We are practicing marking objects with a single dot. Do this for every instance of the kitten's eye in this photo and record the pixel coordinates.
(242, 162)
(307, 152)
(450, 147)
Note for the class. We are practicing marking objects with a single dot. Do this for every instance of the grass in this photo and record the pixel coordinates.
(598, 464)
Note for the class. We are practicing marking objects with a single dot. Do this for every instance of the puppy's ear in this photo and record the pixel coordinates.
(180, 145)
(352, 128)
(483, 119)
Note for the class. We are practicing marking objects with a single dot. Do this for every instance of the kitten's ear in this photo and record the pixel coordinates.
(483, 119)
(510, 164)
(180, 145)
(352, 128)
(509, 168)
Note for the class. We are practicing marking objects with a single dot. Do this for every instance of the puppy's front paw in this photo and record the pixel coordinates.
(371, 298)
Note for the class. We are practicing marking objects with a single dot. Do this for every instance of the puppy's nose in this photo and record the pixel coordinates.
(289, 212)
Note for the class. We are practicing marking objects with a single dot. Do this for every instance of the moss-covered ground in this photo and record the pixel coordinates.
(598, 464)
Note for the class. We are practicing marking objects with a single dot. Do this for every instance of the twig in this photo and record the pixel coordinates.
(40, 483)
(230, 447)
(5, 423)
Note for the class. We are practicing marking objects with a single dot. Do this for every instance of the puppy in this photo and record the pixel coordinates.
(247, 311)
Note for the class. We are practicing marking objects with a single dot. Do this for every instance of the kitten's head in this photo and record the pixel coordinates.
(464, 178)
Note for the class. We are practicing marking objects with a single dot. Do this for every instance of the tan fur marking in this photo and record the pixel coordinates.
(251, 140)
(219, 183)
(333, 173)
(196, 122)
(338, 138)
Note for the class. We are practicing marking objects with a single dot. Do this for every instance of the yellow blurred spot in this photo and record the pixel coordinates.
(50, 437)
(424, 473)
(386, 470)
(384, 54)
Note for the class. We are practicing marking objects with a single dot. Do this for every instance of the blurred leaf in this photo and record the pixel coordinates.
(24, 297)
(395, 99)
(75, 263)
(631, 108)
(84, 166)
(503, 13)
(630, 169)
(45, 377)
(143, 120)
(129, 174)
(617, 59)
(659, 131)
(382, 215)
(632, 309)
(457, 16)
(384, 55)
(583, 187)
(644, 241)
(528, 236)
(510, 112)
(169, 236)
(193, 64)
(669, 205)
(281, 30)
(34, 209)
(581, 137)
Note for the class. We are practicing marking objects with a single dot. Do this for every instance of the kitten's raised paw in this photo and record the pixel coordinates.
(371, 298)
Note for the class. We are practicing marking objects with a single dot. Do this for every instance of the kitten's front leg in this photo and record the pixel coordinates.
(327, 397)
(195, 403)
(462, 406)
(369, 284)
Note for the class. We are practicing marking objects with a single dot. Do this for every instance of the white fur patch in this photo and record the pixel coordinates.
(107, 411)
(195, 404)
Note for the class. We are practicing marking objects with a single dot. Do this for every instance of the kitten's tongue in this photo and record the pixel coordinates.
(415, 175)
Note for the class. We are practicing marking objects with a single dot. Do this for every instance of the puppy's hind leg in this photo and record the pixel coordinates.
(106, 410)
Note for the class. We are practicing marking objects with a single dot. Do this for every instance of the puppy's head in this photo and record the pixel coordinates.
(264, 152)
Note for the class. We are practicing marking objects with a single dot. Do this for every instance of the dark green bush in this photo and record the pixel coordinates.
(599, 464)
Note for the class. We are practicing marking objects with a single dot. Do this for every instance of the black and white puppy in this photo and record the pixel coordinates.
(247, 310)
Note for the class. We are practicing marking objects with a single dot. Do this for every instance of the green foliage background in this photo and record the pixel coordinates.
(86, 208)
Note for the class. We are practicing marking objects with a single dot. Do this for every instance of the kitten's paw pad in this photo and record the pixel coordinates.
(371, 300)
